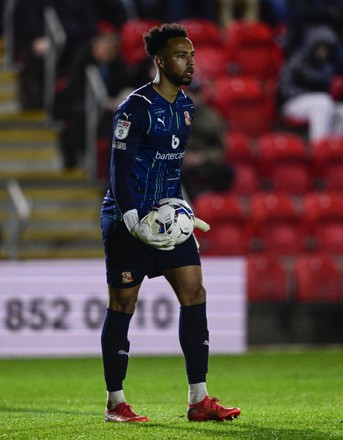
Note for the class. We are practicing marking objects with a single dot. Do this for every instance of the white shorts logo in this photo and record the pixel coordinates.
(122, 129)
(175, 141)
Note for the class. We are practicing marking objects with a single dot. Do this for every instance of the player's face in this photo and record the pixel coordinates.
(178, 61)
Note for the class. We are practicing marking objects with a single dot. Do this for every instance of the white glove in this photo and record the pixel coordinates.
(140, 229)
(198, 223)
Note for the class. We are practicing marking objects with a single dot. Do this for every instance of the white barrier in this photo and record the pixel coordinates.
(56, 308)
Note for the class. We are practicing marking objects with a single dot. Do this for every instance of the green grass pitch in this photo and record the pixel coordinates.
(282, 395)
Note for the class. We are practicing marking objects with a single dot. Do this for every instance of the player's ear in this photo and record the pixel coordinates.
(159, 61)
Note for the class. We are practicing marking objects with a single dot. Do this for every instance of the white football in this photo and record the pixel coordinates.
(173, 217)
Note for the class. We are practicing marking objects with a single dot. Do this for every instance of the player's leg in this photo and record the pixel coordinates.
(115, 352)
(124, 276)
(187, 284)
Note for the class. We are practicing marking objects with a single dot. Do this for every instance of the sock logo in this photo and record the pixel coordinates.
(123, 353)
(206, 342)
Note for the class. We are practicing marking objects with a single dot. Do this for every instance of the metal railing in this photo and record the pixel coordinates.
(8, 25)
(96, 98)
(19, 217)
(54, 31)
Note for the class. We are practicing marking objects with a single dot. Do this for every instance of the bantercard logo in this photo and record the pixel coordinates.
(175, 142)
(169, 156)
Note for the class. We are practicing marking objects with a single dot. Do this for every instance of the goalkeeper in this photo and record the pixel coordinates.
(150, 132)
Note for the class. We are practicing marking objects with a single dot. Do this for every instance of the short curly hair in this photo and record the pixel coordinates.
(157, 37)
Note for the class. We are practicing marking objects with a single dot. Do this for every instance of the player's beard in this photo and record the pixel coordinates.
(180, 80)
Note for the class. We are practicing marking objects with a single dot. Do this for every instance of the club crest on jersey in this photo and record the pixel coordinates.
(188, 119)
(122, 129)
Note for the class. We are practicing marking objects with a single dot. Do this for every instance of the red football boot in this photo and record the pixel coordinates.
(123, 413)
(209, 409)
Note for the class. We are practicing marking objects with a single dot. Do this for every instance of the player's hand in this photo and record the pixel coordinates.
(140, 229)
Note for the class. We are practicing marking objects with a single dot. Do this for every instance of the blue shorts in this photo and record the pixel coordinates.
(129, 260)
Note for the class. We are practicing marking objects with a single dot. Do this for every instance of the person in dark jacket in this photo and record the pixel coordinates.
(103, 52)
(304, 89)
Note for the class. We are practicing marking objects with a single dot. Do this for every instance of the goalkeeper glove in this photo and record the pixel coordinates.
(140, 229)
(198, 223)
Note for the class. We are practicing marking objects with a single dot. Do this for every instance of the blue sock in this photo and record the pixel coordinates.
(115, 348)
(194, 340)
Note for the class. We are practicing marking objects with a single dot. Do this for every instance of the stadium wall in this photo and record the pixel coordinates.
(56, 308)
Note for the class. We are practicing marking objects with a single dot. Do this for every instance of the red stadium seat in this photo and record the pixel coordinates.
(328, 161)
(246, 179)
(210, 63)
(285, 162)
(251, 49)
(267, 279)
(239, 147)
(231, 238)
(218, 208)
(132, 45)
(318, 279)
(203, 32)
(261, 62)
(240, 155)
(248, 33)
(275, 222)
(230, 232)
(323, 218)
(242, 102)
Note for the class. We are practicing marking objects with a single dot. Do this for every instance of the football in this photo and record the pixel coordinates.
(173, 217)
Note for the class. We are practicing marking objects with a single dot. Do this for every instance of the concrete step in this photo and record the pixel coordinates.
(64, 220)
(58, 176)
(28, 136)
(30, 119)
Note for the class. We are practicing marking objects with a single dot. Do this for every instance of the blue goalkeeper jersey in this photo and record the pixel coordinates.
(149, 140)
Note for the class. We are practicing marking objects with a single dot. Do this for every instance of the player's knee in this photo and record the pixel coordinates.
(122, 303)
(324, 103)
(197, 296)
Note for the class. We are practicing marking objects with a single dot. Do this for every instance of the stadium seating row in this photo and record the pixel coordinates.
(242, 47)
(237, 64)
(312, 278)
(284, 161)
(271, 222)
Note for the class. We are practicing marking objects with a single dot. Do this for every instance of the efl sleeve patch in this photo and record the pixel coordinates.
(122, 129)
(119, 145)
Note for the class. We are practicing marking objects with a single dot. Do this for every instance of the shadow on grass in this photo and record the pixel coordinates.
(213, 429)
(179, 428)
(50, 411)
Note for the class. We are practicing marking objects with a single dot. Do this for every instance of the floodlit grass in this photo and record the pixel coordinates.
(282, 395)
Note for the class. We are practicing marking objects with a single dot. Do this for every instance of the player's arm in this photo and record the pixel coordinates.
(125, 143)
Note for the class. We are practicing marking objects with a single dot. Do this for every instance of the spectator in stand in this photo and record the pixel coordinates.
(31, 44)
(304, 89)
(103, 51)
(176, 10)
(116, 12)
(203, 167)
(231, 10)
(273, 12)
(305, 14)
